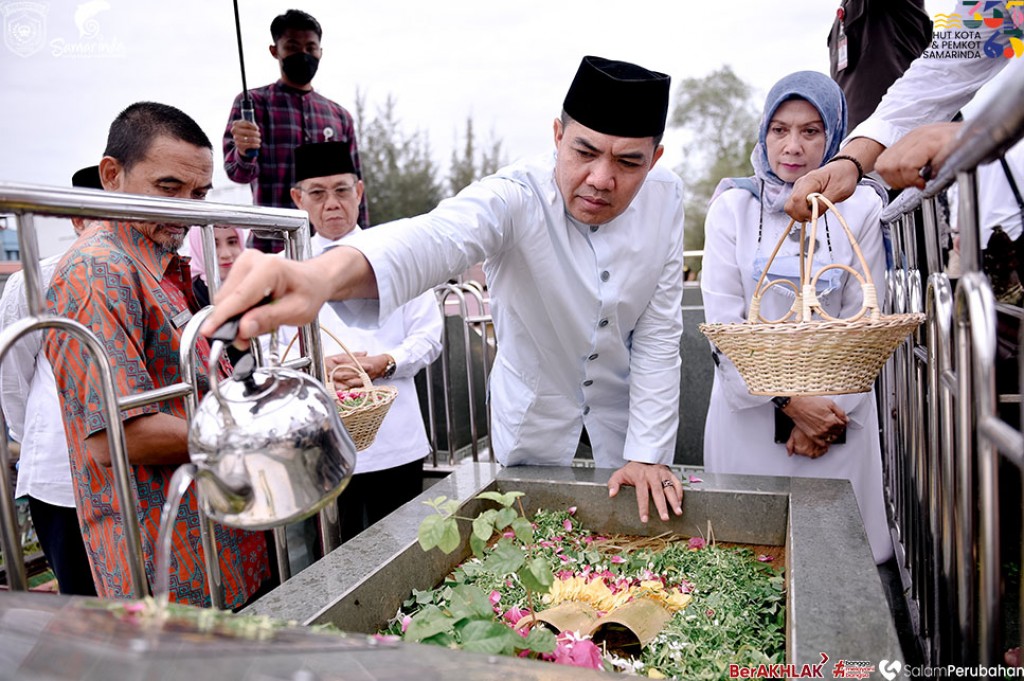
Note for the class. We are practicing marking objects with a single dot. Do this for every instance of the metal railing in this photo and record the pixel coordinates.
(28, 200)
(942, 435)
(476, 323)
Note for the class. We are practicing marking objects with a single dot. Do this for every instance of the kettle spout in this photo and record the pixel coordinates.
(227, 494)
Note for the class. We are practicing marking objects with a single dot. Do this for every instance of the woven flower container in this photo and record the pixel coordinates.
(361, 409)
(808, 352)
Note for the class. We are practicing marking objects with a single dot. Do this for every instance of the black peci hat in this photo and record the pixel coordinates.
(87, 178)
(618, 98)
(323, 159)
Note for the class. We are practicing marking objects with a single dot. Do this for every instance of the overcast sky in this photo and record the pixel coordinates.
(506, 64)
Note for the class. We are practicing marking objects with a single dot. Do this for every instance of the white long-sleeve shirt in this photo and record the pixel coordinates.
(588, 318)
(28, 394)
(412, 336)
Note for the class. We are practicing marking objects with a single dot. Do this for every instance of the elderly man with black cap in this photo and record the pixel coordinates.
(583, 252)
(393, 351)
(28, 394)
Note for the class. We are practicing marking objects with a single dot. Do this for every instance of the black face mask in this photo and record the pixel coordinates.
(300, 68)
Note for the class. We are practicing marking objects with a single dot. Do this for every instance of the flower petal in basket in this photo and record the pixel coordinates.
(362, 411)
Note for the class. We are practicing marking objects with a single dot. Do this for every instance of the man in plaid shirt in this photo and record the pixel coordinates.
(288, 113)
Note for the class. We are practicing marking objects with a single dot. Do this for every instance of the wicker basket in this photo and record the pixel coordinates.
(799, 354)
(363, 421)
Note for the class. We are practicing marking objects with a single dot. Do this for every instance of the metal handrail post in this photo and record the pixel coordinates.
(457, 291)
(10, 538)
(975, 312)
(189, 371)
(481, 321)
(120, 466)
(298, 247)
(446, 374)
(939, 309)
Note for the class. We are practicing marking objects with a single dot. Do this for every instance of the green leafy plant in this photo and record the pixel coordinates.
(468, 619)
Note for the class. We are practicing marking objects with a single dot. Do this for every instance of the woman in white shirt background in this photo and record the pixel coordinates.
(803, 123)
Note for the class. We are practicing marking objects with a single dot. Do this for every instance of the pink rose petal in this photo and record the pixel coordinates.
(765, 558)
(694, 478)
(618, 559)
(697, 543)
(572, 510)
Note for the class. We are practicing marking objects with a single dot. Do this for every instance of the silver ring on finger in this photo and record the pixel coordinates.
(667, 483)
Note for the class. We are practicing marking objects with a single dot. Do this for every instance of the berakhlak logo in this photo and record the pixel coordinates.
(890, 669)
(88, 25)
(24, 27)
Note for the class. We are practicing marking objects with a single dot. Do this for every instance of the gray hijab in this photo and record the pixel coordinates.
(825, 96)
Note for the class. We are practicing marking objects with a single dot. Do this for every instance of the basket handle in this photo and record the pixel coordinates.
(806, 303)
(755, 300)
(367, 383)
(869, 304)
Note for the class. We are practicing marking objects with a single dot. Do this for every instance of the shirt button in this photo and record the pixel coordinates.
(605, 275)
(603, 323)
(593, 228)
(587, 383)
(592, 357)
(586, 410)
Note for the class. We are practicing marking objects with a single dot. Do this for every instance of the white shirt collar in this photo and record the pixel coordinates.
(318, 244)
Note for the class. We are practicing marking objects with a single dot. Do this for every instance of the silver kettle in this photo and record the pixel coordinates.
(268, 444)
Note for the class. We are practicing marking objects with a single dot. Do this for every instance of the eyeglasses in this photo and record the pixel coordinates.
(341, 192)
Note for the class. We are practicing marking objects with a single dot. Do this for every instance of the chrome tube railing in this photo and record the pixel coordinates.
(470, 301)
(27, 200)
(947, 518)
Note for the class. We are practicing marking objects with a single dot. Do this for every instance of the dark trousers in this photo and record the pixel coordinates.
(60, 537)
(371, 496)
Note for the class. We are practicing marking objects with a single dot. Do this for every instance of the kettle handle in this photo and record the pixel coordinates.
(220, 338)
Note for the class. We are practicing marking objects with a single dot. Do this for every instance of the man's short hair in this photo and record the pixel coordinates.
(294, 19)
(135, 128)
(567, 119)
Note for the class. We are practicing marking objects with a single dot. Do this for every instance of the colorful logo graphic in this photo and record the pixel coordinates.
(994, 28)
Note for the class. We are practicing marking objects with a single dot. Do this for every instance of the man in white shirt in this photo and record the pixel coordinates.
(389, 472)
(583, 255)
(28, 394)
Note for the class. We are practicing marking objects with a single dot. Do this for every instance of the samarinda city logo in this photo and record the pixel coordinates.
(989, 28)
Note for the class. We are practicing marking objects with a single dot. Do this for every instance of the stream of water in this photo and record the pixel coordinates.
(180, 481)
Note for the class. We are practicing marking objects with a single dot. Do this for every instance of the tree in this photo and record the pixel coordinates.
(465, 168)
(718, 114)
(398, 169)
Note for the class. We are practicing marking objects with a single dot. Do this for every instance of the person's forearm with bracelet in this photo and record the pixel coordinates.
(837, 179)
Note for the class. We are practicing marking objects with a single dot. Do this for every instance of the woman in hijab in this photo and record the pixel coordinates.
(803, 122)
(229, 240)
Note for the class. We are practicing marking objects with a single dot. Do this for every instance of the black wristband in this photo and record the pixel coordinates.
(781, 402)
(844, 157)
